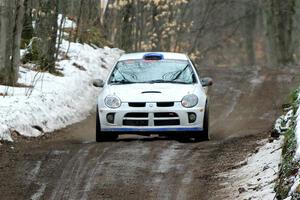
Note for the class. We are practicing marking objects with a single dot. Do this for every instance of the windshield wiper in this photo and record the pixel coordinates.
(124, 78)
(180, 72)
(166, 81)
(124, 81)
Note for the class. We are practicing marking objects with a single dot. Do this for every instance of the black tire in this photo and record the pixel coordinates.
(98, 127)
(101, 136)
(203, 135)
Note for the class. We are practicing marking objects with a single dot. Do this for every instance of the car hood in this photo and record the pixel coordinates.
(150, 92)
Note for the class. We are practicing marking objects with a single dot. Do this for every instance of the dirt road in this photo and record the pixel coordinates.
(70, 165)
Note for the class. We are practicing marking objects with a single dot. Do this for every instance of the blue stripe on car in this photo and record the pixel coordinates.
(153, 56)
(150, 129)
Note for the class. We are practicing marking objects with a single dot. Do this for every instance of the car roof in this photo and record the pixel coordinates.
(166, 55)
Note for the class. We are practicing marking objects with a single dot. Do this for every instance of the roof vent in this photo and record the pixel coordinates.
(153, 56)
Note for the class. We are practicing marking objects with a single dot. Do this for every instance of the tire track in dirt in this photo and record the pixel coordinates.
(166, 163)
(71, 175)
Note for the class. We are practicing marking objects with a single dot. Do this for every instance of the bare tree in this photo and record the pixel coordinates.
(46, 31)
(16, 39)
(278, 17)
(126, 36)
(249, 30)
(11, 15)
(27, 32)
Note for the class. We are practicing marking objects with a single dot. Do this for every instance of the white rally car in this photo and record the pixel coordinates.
(153, 93)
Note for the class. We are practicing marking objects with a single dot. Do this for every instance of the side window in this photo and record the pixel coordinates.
(195, 67)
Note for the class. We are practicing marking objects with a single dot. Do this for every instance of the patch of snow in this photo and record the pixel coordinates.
(186, 181)
(297, 134)
(67, 23)
(38, 195)
(55, 102)
(166, 158)
(284, 122)
(296, 179)
(57, 152)
(22, 52)
(256, 179)
(34, 172)
(295, 185)
(5, 132)
(33, 24)
(258, 80)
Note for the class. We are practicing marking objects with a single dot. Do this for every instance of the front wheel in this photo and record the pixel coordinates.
(203, 135)
(101, 136)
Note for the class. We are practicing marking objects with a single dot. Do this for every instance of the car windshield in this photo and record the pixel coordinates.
(152, 71)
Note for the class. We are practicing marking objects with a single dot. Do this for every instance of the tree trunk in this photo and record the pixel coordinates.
(16, 40)
(126, 39)
(155, 37)
(78, 22)
(27, 32)
(11, 15)
(47, 34)
(4, 32)
(278, 18)
(249, 31)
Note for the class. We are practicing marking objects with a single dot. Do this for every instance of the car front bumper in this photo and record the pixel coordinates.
(156, 119)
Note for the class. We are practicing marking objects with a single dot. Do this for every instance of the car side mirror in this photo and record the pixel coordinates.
(205, 82)
(98, 83)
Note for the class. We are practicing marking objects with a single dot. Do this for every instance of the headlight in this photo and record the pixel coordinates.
(189, 101)
(112, 102)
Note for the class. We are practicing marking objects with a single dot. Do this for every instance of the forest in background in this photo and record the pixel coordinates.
(211, 32)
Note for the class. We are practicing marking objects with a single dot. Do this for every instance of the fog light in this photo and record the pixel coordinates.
(192, 117)
(110, 117)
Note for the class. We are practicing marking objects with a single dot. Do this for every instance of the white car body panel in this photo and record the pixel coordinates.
(167, 55)
(146, 92)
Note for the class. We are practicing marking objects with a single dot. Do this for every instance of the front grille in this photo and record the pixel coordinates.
(136, 119)
(136, 115)
(136, 104)
(165, 104)
(151, 119)
(169, 122)
(166, 119)
(127, 122)
(165, 114)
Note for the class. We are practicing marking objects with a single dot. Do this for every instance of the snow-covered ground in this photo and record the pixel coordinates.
(55, 102)
(255, 177)
(294, 191)
(297, 130)
(255, 180)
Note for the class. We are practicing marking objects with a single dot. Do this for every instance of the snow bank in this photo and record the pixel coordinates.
(55, 102)
(284, 122)
(255, 180)
(294, 191)
(297, 131)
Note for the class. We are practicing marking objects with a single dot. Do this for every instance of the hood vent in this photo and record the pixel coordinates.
(149, 92)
